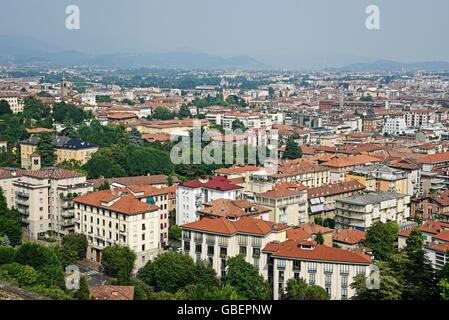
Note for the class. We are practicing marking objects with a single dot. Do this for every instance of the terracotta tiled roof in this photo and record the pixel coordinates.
(216, 183)
(350, 161)
(232, 208)
(443, 236)
(348, 236)
(108, 292)
(435, 158)
(307, 250)
(243, 225)
(116, 201)
(336, 188)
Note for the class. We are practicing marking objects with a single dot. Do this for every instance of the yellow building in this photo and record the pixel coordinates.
(168, 126)
(66, 149)
(381, 178)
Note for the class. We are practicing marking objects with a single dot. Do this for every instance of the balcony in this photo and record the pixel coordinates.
(22, 195)
(67, 223)
(68, 214)
(67, 205)
(23, 211)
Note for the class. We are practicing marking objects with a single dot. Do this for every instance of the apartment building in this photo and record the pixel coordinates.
(417, 118)
(330, 268)
(361, 211)
(340, 166)
(191, 196)
(382, 178)
(66, 149)
(394, 126)
(216, 240)
(15, 102)
(158, 197)
(321, 200)
(112, 217)
(287, 203)
(44, 198)
(168, 126)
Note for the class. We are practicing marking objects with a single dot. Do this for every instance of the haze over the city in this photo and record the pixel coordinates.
(290, 34)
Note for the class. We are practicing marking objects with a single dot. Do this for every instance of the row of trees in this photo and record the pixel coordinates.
(40, 269)
(405, 275)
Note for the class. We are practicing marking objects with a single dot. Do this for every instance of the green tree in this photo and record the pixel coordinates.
(237, 124)
(135, 137)
(83, 292)
(35, 109)
(174, 232)
(162, 113)
(201, 292)
(10, 222)
(292, 150)
(101, 166)
(297, 289)
(118, 261)
(66, 255)
(420, 278)
(319, 238)
(5, 108)
(63, 112)
(381, 238)
(170, 272)
(76, 242)
(44, 260)
(24, 275)
(443, 284)
(245, 278)
(7, 255)
(46, 149)
(184, 112)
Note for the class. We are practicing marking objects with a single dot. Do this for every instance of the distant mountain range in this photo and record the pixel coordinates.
(28, 51)
(393, 66)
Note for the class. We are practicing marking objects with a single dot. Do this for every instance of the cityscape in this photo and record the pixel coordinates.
(197, 176)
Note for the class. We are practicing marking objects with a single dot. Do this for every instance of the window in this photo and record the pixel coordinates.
(187, 246)
(223, 252)
(296, 265)
(198, 248)
(281, 276)
(296, 275)
(256, 263)
(242, 250)
(328, 268)
(328, 280)
(344, 294)
(311, 266)
(256, 252)
(143, 226)
(344, 281)
(311, 278)
(143, 247)
(344, 269)
(210, 250)
(281, 264)
(361, 269)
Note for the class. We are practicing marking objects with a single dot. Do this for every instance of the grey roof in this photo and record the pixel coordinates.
(372, 198)
(62, 142)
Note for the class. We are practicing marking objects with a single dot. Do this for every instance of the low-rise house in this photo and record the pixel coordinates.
(340, 166)
(361, 211)
(309, 232)
(349, 239)
(233, 209)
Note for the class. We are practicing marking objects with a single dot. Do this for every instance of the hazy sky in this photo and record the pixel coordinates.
(282, 33)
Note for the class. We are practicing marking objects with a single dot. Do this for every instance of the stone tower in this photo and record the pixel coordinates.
(35, 161)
